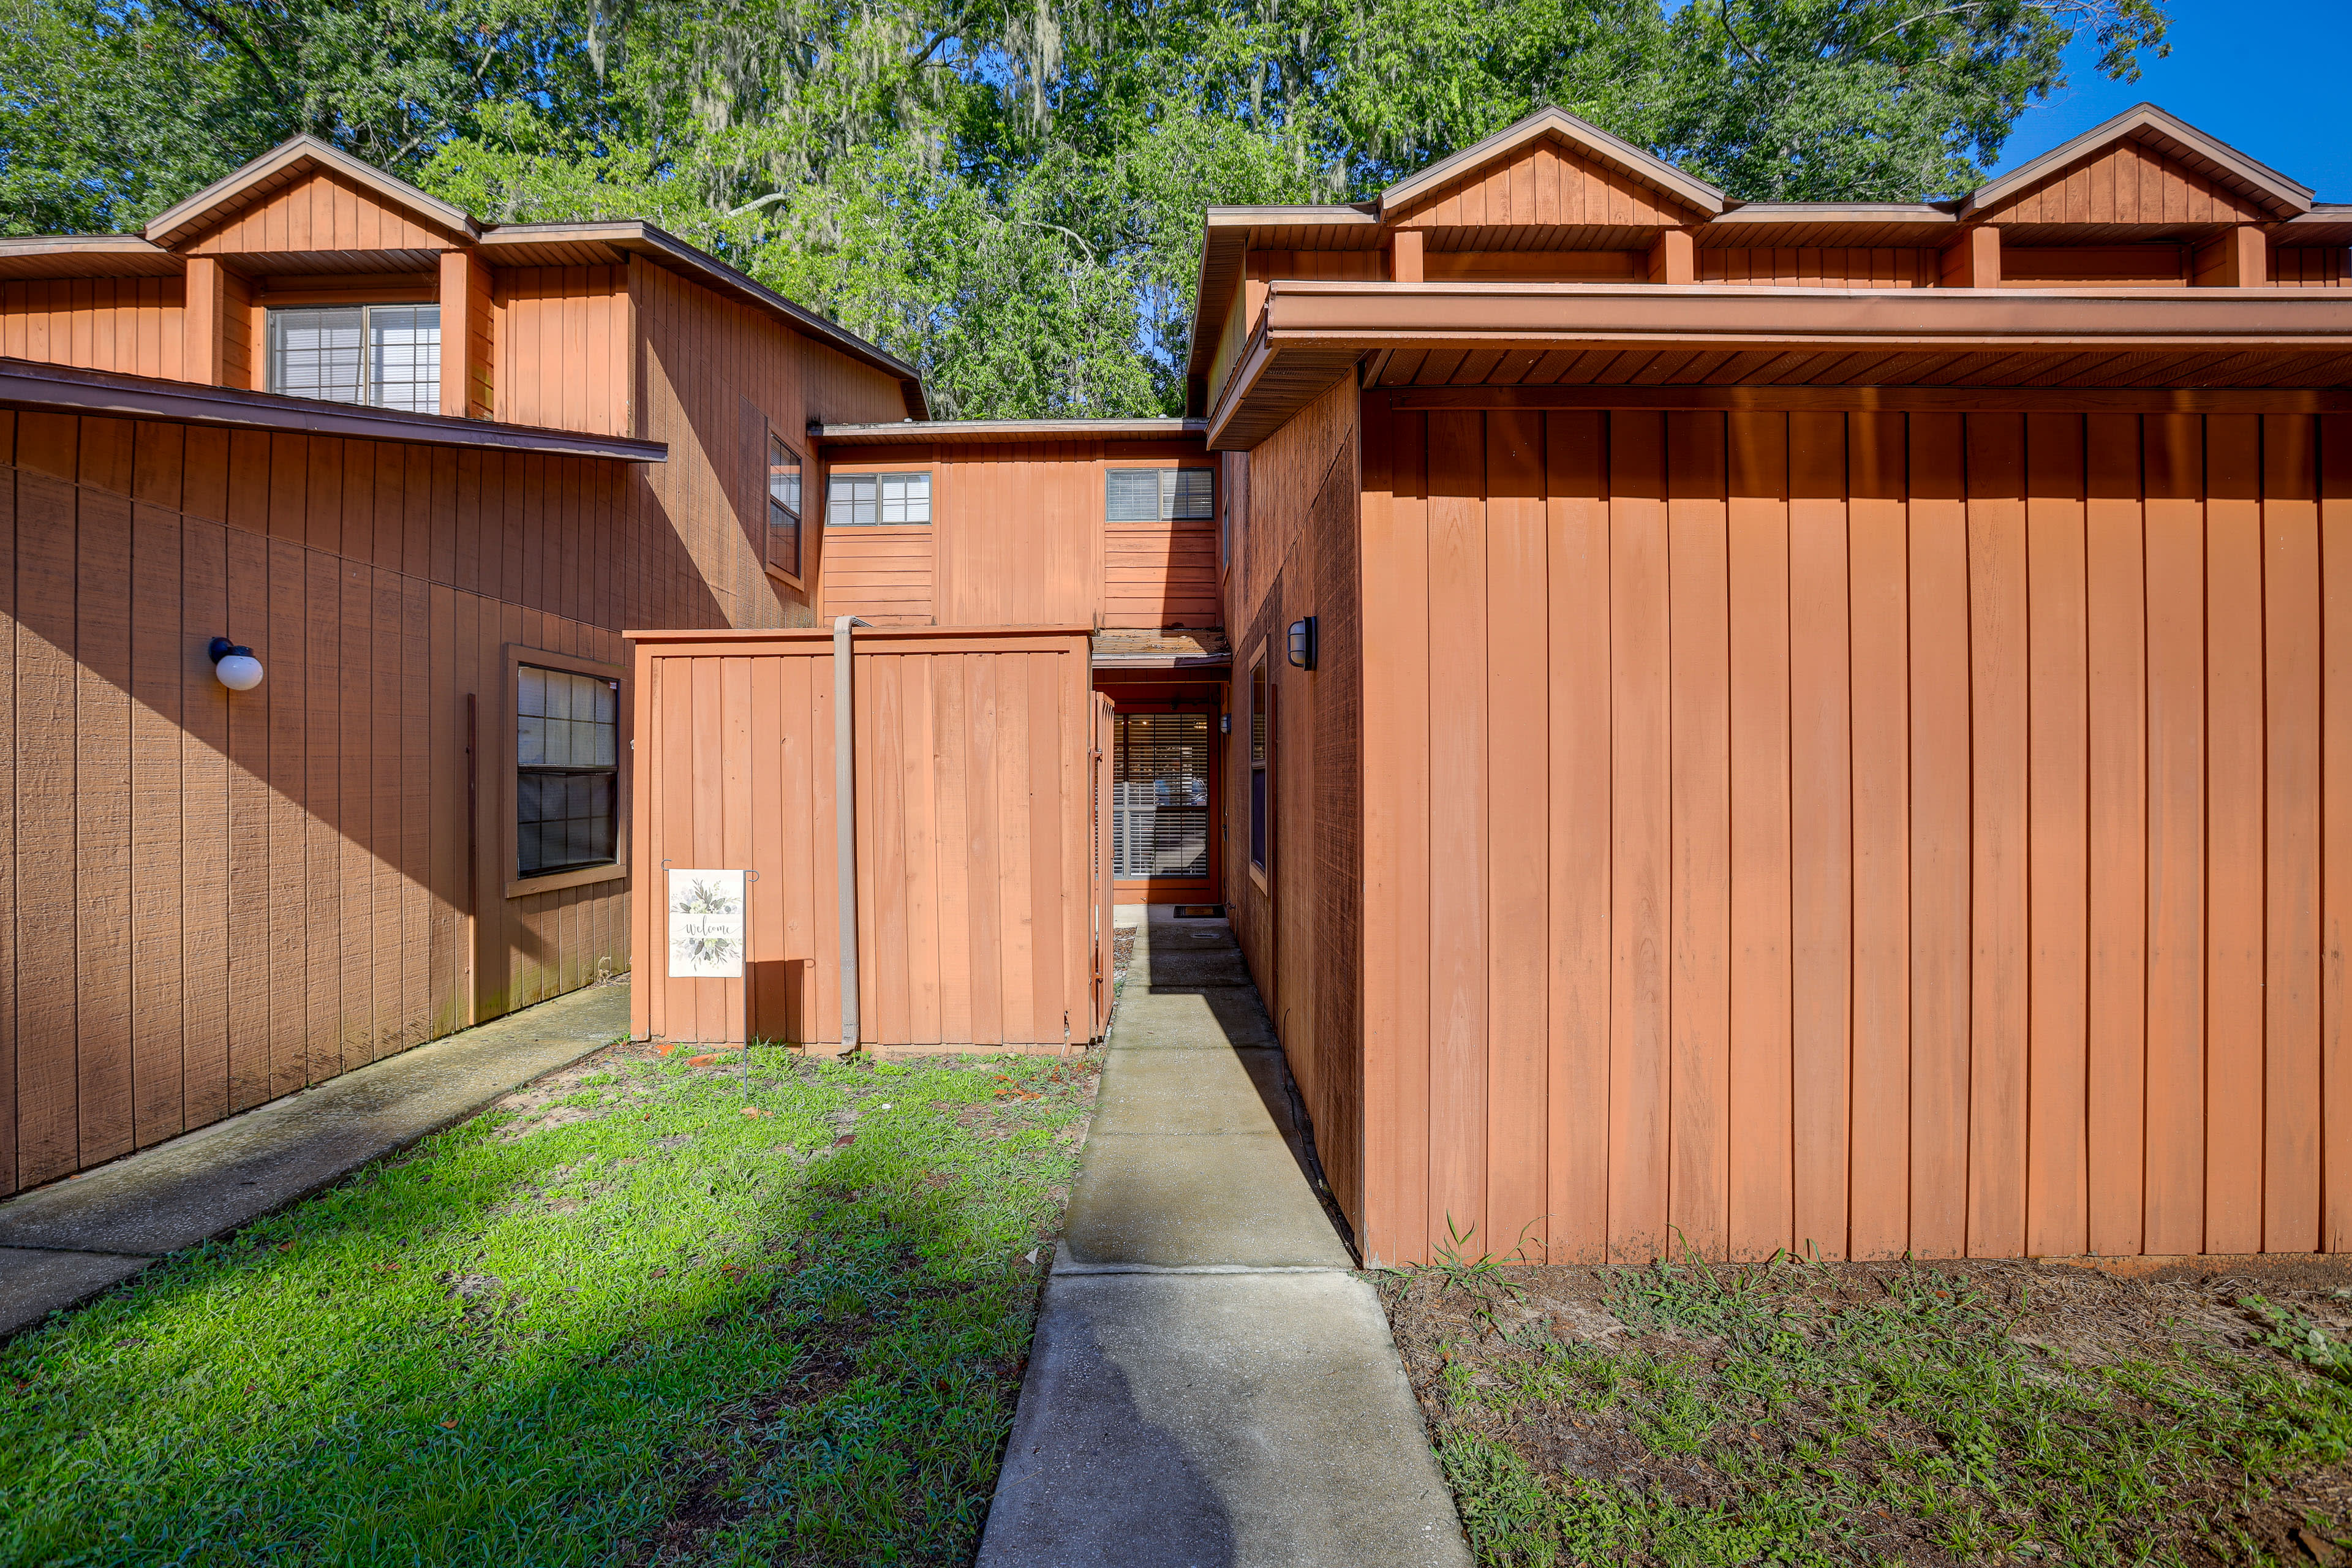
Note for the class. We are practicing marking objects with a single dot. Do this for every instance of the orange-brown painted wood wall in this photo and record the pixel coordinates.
(214, 899)
(710, 378)
(1297, 917)
(129, 324)
(1856, 832)
(1018, 537)
(563, 342)
(975, 852)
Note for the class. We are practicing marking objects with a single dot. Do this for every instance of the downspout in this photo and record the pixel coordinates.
(844, 817)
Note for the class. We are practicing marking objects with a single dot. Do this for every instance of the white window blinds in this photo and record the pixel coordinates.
(1157, 495)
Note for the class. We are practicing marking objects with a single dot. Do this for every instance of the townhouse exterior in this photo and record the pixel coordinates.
(1736, 725)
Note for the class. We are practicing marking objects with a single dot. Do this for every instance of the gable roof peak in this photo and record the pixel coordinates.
(289, 161)
(1552, 121)
(2167, 133)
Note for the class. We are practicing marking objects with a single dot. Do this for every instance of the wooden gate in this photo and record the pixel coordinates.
(976, 887)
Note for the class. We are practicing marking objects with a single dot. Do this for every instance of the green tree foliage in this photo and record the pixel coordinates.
(1005, 192)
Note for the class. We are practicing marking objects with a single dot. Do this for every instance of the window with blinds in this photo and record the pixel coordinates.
(1158, 495)
(1160, 795)
(386, 356)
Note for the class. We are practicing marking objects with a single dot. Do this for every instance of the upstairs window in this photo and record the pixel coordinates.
(1158, 495)
(567, 765)
(878, 501)
(784, 506)
(384, 356)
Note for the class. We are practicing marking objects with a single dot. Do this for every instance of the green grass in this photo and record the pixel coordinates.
(635, 1322)
(1802, 1415)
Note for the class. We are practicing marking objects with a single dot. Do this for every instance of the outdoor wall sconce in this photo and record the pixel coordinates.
(1302, 643)
(233, 664)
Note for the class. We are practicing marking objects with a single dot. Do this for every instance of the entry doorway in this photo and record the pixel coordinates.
(1164, 795)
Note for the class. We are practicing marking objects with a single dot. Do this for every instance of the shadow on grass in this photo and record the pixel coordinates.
(663, 1325)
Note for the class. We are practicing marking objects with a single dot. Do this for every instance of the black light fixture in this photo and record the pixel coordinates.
(233, 664)
(1302, 643)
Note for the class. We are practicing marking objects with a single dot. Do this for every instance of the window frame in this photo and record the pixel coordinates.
(795, 580)
(273, 305)
(878, 472)
(1258, 758)
(1173, 466)
(508, 795)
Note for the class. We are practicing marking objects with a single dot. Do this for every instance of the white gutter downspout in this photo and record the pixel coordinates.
(844, 817)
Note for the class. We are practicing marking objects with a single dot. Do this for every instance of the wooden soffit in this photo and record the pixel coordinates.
(1399, 335)
(305, 161)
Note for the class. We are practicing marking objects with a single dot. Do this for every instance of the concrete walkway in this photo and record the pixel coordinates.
(1211, 1383)
(64, 1243)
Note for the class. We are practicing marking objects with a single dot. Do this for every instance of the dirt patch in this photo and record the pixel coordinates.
(1931, 1414)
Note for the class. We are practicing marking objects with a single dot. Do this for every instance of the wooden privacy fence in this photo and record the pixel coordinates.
(976, 910)
(1869, 832)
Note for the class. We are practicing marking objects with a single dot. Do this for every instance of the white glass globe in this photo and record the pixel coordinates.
(238, 671)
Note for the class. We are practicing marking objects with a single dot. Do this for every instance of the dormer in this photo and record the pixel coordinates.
(1551, 183)
(2146, 199)
(311, 272)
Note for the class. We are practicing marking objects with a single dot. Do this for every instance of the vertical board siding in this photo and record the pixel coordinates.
(972, 824)
(1940, 831)
(241, 894)
(136, 325)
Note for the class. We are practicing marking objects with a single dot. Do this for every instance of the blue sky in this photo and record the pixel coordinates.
(2266, 76)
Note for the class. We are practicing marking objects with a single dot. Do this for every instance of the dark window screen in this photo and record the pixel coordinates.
(567, 764)
(1160, 804)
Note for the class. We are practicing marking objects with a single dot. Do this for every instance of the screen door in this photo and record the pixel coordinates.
(1159, 797)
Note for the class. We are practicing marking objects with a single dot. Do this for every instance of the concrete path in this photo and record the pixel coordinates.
(1211, 1383)
(64, 1243)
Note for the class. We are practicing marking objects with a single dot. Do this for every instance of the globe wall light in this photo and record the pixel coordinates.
(233, 664)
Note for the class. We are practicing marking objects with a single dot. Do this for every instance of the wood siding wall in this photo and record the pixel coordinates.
(2309, 267)
(881, 573)
(214, 899)
(1297, 926)
(1831, 267)
(2127, 183)
(320, 213)
(974, 855)
(711, 378)
(1017, 537)
(1544, 186)
(1869, 833)
(136, 325)
(565, 341)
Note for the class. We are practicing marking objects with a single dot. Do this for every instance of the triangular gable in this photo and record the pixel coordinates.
(2144, 166)
(1551, 168)
(317, 190)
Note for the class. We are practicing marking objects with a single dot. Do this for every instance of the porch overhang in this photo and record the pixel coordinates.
(2257, 344)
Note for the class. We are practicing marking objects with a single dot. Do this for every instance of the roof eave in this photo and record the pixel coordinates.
(28, 384)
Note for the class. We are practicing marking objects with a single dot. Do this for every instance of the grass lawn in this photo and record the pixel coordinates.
(1865, 1414)
(633, 1314)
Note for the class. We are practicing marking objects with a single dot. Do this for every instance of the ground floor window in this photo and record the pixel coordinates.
(1160, 795)
(567, 763)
